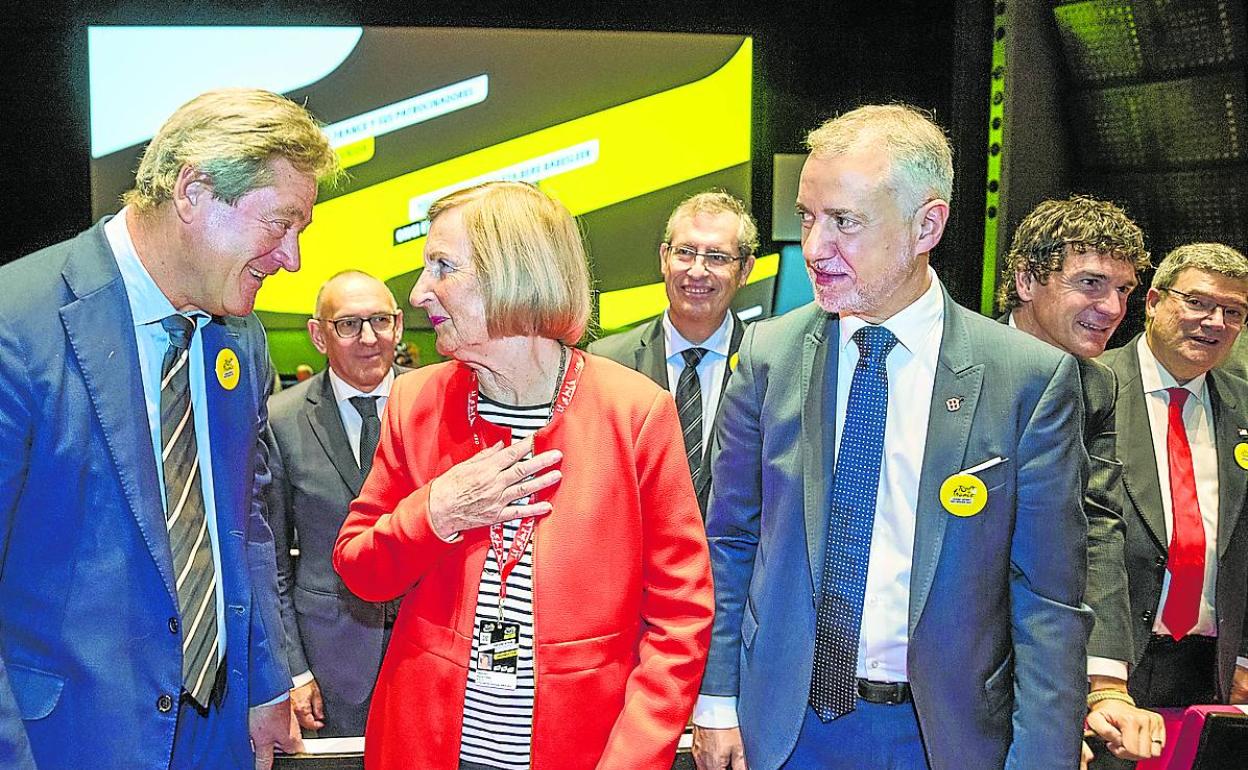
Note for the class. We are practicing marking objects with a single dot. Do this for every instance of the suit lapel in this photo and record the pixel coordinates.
(326, 423)
(948, 433)
(734, 342)
(651, 354)
(1139, 461)
(100, 330)
(1231, 477)
(818, 394)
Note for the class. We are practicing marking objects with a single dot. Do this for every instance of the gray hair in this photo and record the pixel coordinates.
(920, 157)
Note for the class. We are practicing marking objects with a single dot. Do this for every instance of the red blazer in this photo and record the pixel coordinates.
(622, 597)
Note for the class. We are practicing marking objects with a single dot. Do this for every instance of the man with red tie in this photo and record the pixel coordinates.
(1183, 443)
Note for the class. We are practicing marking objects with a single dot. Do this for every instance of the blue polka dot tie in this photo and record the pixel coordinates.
(833, 682)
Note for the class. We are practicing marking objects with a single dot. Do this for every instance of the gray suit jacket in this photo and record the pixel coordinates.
(997, 631)
(329, 631)
(1147, 544)
(1102, 502)
(643, 349)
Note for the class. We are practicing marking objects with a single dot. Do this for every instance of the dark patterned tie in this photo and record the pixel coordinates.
(370, 430)
(838, 621)
(189, 539)
(689, 409)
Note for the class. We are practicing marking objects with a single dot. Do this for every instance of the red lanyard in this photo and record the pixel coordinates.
(508, 558)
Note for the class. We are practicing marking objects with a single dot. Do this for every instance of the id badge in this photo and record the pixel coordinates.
(498, 650)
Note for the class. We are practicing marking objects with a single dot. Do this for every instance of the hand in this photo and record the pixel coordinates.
(1130, 733)
(1086, 756)
(718, 749)
(272, 726)
(1239, 686)
(479, 491)
(308, 706)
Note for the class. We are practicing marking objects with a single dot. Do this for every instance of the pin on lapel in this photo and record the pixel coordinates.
(954, 404)
(1243, 432)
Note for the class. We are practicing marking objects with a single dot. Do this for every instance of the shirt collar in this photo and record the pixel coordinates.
(716, 343)
(344, 390)
(1011, 321)
(1155, 377)
(912, 325)
(148, 304)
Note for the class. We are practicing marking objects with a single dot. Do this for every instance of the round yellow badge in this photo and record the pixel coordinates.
(1241, 454)
(228, 369)
(963, 494)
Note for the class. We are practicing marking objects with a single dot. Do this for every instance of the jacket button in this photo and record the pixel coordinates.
(1146, 616)
(164, 703)
(173, 625)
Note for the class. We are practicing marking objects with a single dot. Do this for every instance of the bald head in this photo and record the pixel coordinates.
(356, 326)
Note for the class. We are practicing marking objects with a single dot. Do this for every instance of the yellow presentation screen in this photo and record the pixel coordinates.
(619, 126)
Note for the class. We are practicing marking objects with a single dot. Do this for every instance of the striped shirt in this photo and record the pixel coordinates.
(498, 723)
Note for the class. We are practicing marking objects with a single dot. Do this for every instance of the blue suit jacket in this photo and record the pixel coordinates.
(997, 632)
(87, 646)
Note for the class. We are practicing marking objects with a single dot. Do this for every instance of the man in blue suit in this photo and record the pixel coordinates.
(139, 624)
(896, 523)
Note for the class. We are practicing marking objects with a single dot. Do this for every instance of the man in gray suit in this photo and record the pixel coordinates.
(1066, 279)
(1184, 470)
(896, 523)
(706, 256)
(322, 437)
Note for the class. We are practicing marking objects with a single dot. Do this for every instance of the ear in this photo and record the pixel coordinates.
(191, 190)
(663, 249)
(1150, 303)
(398, 325)
(931, 218)
(1025, 282)
(743, 273)
(317, 333)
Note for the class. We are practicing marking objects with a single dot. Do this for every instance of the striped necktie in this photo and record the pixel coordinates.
(185, 521)
(847, 551)
(689, 410)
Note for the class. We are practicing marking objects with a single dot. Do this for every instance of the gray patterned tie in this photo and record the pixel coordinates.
(689, 409)
(187, 525)
(370, 430)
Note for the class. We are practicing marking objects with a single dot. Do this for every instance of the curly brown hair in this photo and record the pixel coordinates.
(1081, 222)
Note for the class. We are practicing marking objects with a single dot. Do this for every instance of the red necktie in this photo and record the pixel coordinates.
(1186, 560)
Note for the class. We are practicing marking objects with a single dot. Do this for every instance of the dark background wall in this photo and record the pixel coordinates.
(812, 60)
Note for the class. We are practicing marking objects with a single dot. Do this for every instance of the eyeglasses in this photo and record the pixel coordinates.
(351, 326)
(1203, 307)
(687, 255)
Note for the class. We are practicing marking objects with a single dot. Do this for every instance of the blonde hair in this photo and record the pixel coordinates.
(717, 202)
(920, 157)
(231, 136)
(529, 256)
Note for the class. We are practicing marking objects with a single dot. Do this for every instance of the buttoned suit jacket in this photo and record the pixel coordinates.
(90, 650)
(1147, 544)
(644, 349)
(997, 632)
(329, 631)
(1102, 502)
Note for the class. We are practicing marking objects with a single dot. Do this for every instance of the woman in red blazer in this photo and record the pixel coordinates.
(592, 520)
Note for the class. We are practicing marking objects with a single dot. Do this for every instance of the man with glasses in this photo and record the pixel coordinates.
(322, 437)
(1184, 449)
(1072, 265)
(706, 256)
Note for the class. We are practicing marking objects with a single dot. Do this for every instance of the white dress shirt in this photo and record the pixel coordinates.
(710, 369)
(1198, 420)
(884, 636)
(352, 422)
